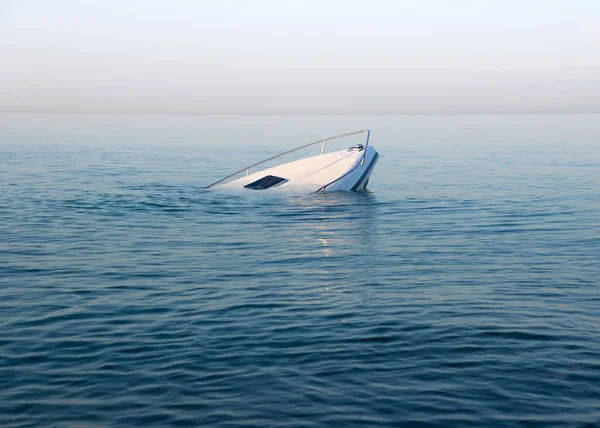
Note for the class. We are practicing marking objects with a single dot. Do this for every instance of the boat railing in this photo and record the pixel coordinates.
(323, 143)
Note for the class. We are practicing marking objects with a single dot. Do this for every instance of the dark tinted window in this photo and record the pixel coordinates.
(265, 182)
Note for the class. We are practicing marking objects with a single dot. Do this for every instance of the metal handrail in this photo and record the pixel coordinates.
(323, 142)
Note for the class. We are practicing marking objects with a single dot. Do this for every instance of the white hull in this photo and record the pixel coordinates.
(348, 169)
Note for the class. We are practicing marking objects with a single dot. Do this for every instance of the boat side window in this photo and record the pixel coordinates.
(265, 183)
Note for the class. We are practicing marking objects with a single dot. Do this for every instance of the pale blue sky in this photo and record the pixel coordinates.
(262, 56)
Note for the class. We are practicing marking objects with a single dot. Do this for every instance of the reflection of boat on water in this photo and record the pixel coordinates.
(348, 169)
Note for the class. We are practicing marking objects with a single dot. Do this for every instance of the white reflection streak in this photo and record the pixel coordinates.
(326, 250)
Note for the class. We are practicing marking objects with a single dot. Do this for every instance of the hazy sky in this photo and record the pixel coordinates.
(280, 56)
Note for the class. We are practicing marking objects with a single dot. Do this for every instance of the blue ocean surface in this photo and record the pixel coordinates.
(463, 289)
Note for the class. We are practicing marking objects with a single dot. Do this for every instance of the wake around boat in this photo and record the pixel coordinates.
(348, 169)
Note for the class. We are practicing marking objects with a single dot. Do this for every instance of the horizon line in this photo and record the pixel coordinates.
(166, 113)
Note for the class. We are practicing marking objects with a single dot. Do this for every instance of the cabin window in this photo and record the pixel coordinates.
(265, 183)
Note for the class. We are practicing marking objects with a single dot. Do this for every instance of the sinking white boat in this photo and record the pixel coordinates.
(348, 169)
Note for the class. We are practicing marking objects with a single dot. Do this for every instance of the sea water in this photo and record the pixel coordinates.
(461, 290)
